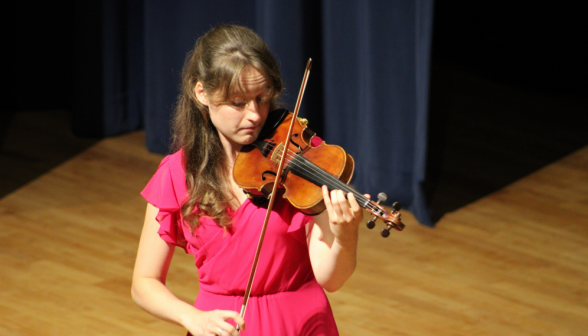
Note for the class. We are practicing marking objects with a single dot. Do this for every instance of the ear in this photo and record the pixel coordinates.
(200, 94)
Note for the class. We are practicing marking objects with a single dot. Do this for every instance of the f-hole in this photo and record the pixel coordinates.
(263, 178)
(295, 135)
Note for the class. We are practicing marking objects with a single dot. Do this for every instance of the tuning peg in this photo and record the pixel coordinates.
(389, 225)
(382, 197)
(396, 206)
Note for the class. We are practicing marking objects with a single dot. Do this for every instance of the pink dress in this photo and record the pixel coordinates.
(285, 298)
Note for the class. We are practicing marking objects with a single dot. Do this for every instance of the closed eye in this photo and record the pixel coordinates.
(265, 97)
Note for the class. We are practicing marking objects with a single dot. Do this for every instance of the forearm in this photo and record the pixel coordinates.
(154, 297)
(333, 239)
(337, 264)
(150, 293)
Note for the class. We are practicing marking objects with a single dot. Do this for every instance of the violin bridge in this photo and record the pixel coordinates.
(277, 154)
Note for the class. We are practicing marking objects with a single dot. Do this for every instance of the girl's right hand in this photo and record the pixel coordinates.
(209, 323)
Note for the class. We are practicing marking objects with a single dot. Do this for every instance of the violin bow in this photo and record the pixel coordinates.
(271, 196)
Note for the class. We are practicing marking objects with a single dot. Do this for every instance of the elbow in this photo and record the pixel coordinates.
(136, 293)
(331, 288)
(334, 282)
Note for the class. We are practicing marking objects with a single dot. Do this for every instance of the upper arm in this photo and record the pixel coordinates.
(154, 254)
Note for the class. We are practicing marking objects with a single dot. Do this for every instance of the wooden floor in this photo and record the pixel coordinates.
(512, 263)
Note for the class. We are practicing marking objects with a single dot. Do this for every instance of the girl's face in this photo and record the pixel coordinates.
(239, 121)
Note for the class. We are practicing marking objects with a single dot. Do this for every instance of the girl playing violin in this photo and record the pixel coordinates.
(230, 83)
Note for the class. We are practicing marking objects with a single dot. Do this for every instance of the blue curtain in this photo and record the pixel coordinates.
(376, 57)
(368, 89)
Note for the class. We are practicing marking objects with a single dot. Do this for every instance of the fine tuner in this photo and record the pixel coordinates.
(395, 217)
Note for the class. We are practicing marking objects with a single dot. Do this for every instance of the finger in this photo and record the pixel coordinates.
(351, 209)
(228, 329)
(343, 203)
(353, 203)
(338, 197)
(327, 199)
(337, 201)
(356, 208)
(219, 326)
(233, 315)
(330, 199)
(214, 329)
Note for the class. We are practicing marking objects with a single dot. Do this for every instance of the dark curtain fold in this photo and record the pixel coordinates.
(376, 57)
(108, 92)
(368, 89)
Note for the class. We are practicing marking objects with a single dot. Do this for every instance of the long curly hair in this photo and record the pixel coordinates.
(217, 61)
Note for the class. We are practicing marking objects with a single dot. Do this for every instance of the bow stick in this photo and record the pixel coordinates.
(271, 196)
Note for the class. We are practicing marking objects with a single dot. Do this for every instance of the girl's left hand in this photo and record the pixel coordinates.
(345, 215)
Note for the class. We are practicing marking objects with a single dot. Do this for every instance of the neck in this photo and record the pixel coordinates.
(231, 153)
(231, 150)
(238, 196)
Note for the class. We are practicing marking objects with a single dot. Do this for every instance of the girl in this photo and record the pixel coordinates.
(230, 83)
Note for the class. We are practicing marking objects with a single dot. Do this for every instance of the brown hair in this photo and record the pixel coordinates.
(217, 61)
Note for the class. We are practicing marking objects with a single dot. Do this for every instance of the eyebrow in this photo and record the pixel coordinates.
(239, 92)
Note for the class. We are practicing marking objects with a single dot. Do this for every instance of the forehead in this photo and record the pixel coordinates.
(250, 79)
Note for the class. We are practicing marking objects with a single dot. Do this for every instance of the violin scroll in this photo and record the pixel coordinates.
(391, 220)
(382, 197)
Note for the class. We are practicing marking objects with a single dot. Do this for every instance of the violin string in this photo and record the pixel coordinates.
(322, 175)
(314, 170)
(307, 166)
(335, 183)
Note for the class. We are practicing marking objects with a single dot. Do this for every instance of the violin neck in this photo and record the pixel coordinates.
(301, 166)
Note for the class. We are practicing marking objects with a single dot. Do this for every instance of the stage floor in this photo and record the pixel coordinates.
(512, 263)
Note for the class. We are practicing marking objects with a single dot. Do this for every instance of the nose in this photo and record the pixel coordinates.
(253, 111)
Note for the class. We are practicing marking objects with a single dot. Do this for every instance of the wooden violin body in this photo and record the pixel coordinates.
(306, 169)
(255, 169)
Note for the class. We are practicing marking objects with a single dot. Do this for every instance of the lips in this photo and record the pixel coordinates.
(251, 129)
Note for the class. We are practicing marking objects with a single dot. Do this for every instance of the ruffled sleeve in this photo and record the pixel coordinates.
(166, 191)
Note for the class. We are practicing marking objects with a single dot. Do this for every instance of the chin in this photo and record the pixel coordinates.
(247, 140)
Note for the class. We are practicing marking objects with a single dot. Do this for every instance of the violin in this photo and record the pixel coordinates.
(283, 156)
(306, 170)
